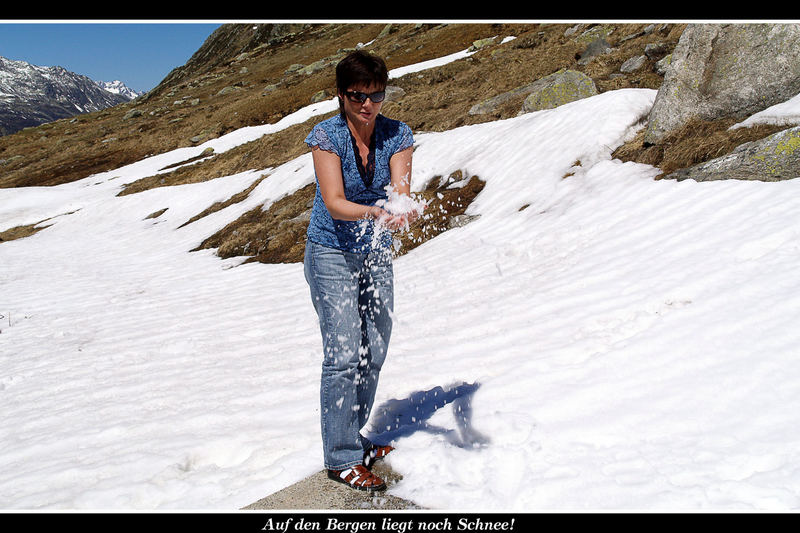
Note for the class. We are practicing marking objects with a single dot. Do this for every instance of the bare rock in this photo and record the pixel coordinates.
(726, 70)
(774, 158)
(558, 89)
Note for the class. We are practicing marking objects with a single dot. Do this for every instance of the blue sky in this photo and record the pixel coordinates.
(138, 54)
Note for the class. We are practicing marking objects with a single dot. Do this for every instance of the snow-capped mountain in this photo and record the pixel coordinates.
(31, 95)
(117, 87)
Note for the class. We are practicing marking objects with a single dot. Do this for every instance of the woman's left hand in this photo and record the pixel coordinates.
(392, 222)
(400, 221)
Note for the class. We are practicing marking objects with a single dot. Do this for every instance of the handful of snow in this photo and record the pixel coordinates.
(396, 204)
(401, 204)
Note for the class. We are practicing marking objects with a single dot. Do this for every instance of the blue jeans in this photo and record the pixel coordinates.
(353, 295)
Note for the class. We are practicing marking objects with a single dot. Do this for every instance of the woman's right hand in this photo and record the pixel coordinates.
(387, 219)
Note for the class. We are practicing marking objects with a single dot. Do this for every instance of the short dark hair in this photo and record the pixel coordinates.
(358, 68)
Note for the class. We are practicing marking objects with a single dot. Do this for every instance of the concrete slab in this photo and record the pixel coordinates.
(317, 492)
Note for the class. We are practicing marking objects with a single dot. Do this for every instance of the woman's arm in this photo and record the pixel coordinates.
(328, 167)
(400, 171)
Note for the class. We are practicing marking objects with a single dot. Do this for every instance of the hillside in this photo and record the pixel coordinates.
(247, 75)
(187, 105)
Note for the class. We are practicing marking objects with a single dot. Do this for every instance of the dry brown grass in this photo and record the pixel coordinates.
(695, 142)
(265, 152)
(277, 235)
(444, 205)
(20, 232)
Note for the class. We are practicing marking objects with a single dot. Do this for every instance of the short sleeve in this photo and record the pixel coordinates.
(319, 137)
(405, 138)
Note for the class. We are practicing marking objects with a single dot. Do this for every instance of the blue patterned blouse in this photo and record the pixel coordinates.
(362, 185)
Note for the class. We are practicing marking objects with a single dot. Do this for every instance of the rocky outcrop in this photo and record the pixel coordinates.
(227, 43)
(774, 158)
(546, 93)
(596, 48)
(557, 89)
(726, 70)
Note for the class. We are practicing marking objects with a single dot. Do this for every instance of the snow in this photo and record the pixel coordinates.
(613, 342)
(783, 114)
(118, 87)
(432, 63)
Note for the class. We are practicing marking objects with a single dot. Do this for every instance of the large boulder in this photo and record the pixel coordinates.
(724, 71)
(549, 92)
(557, 89)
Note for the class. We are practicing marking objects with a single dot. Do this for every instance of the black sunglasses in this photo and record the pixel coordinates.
(358, 96)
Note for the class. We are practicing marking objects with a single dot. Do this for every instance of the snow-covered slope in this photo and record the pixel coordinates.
(628, 343)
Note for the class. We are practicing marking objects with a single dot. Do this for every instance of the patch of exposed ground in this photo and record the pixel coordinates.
(266, 152)
(695, 142)
(277, 235)
(20, 232)
(26, 230)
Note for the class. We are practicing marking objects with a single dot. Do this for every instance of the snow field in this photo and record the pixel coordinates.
(633, 340)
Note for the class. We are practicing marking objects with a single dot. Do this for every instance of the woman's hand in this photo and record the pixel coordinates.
(387, 219)
(391, 221)
(412, 216)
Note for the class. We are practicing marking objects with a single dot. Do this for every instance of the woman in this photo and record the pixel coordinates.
(360, 157)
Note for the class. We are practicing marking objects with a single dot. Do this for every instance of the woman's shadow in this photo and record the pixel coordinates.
(399, 418)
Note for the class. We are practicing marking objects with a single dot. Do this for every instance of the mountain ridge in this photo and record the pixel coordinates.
(119, 87)
(32, 95)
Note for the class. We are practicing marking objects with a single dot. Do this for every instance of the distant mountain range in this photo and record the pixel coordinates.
(31, 95)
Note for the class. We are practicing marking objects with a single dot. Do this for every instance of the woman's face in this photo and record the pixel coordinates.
(361, 113)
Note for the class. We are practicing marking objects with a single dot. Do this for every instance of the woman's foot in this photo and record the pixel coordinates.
(358, 477)
(373, 453)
